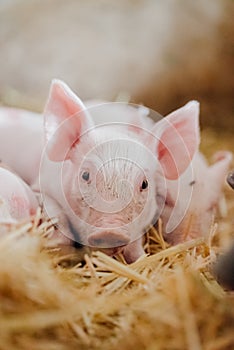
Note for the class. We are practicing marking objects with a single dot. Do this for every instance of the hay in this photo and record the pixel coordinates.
(168, 299)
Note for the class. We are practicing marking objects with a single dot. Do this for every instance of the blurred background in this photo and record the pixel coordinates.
(161, 53)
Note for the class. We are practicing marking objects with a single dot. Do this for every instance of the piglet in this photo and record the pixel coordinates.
(192, 201)
(17, 201)
(21, 142)
(106, 168)
(107, 172)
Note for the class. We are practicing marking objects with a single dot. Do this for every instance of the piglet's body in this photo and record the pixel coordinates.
(193, 199)
(17, 201)
(21, 142)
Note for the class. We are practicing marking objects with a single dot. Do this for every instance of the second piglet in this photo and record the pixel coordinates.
(17, 201)
(192, 200)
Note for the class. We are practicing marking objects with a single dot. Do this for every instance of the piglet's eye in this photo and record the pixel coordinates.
(85, 176)
(144, 185)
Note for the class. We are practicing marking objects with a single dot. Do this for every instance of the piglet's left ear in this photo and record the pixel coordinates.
(178, 139)
(65, 120)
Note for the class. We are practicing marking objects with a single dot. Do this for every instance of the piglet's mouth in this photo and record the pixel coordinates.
(108, 239)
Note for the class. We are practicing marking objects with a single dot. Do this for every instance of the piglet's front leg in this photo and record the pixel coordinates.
(133, 251)
(62, 235)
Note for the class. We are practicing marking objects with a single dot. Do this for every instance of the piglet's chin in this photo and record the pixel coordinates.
(111, 251)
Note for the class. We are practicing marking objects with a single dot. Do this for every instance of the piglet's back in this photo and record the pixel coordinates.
(21, 141)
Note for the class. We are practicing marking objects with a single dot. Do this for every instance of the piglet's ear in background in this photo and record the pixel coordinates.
(218, 171)
(65, 119)
(178, 139)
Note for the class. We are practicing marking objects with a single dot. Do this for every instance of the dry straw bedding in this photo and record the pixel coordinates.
(61, 299)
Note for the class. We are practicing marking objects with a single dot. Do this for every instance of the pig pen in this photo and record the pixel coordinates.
(67, 299)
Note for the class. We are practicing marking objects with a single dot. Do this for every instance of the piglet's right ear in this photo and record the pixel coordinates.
(65, 120)
(178, 139)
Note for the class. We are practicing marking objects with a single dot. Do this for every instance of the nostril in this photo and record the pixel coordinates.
(107, 239)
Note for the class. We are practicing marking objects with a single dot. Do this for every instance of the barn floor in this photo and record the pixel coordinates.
(167, 300)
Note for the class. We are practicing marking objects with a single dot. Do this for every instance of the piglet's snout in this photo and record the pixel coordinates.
(108, 238)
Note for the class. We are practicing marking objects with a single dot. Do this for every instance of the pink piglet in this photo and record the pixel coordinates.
(17, 200)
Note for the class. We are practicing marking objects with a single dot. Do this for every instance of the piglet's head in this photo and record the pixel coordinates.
(113, 175)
